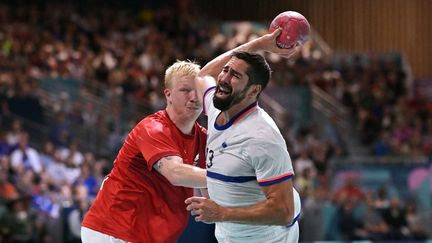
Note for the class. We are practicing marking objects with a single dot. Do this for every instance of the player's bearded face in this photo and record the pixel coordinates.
(225, 97)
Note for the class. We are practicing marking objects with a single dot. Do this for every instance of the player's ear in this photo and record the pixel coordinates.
(254, 90)
(167, 93)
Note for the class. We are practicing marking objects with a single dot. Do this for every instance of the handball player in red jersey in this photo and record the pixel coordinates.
(142, 198)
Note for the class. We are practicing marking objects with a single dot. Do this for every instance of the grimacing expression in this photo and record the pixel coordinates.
(232, 84)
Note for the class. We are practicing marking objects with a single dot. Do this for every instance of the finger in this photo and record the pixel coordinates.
(193, 206)
(289, 52)
(277, 31)
(199, 218)
(287, 56)
(194, 199)
(189, 200)
(297, 47)
(196, 212)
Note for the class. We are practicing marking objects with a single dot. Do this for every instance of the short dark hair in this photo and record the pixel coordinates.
(259, 71)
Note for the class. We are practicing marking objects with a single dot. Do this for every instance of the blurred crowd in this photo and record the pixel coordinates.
(350, 213)
(374, 87)
(44, 193)
(54, 157)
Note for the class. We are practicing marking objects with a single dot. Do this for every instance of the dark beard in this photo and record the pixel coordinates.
(233, 99)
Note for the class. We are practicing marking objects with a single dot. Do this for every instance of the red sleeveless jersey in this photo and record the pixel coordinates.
(135, 202)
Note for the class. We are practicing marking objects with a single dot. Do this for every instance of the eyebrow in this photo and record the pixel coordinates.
(184, 86)
(234, 71)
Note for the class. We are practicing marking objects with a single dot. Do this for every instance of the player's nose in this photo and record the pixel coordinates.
(193, 96)
(226, 78)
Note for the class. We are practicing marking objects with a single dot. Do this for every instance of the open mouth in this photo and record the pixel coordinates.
(223, 92)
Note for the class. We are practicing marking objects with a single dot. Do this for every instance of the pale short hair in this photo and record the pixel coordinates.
(180, 69)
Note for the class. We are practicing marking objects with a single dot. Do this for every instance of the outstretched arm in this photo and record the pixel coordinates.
(267, 43)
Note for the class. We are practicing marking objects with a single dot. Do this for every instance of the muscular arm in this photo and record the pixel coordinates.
(277, 209)
(211, 70)
(180, 174)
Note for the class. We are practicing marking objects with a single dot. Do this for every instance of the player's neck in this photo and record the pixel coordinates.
(235, 109)
(183, 123)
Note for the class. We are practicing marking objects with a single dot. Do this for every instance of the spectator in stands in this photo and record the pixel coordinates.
(72, 153)
(349, 224)
(47, 154)
(56, 171)
(18, 223)
(4, 146)
(351, 192)
(303, 162)
(61, 131)
(13, 134)
(8, 192)
(373, 223)
(395, 217)
(415, 222)
(25, 157)
(381, 202)
(89, 180)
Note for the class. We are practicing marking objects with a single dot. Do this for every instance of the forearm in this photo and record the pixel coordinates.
(265, 43)
(211, 70)
(276, 209)
(180, 174)
(214, 67)
(268, 212)
(189, 176)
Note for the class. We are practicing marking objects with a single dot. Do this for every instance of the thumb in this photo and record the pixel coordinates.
(276, 32)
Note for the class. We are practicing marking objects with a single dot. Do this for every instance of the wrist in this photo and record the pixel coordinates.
(255, 45)
(223, 213)
(251, 46)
